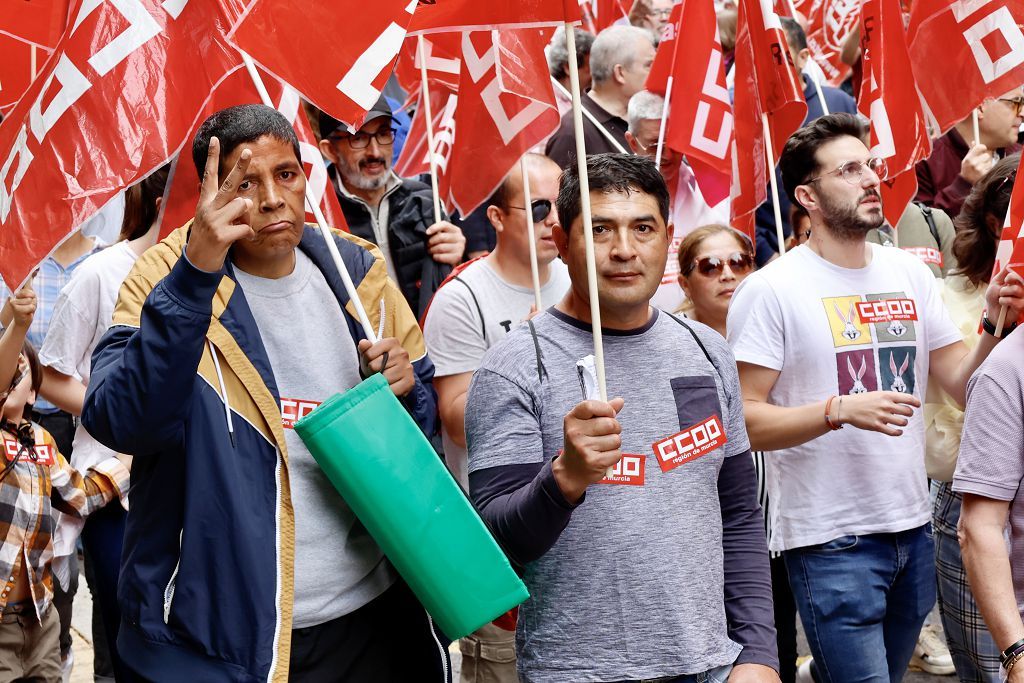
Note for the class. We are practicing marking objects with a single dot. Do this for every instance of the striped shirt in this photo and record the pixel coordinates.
(36, 481)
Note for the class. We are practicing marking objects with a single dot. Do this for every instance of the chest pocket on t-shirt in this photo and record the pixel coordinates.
(700, 422)
(696, 399)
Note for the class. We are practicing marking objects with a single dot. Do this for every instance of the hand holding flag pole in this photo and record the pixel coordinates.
(325, 231)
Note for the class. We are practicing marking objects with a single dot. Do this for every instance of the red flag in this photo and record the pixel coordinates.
(766, 84)
(1011, 244)
(29, 30)
(16, 70)
(830, 23)
(700, 125)
(889, 97)
(236, 89)
(338, 55)
(113, 103)
(442, 53)
(504, 106)
(439, 16)
(600, 14)
(978, 45)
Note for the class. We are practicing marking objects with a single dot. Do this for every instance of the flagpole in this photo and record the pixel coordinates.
(774, 182)
(664, 121)
(588, 226)
(977, 131)
(531, 234)
(590, 117)
(428, 119)
(321, 221)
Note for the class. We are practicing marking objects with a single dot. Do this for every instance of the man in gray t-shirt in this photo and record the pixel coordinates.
(632, 518)
(989, 472)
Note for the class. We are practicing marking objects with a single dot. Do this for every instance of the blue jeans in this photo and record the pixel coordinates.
(718, 675)
(863, 600)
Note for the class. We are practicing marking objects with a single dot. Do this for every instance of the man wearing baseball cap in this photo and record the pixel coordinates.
(394, 213)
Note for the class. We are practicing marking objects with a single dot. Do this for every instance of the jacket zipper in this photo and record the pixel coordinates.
(169, 590)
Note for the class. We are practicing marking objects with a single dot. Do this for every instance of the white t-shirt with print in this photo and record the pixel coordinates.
(838, 331)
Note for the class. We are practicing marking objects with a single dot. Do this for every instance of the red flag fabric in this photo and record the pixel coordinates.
(440, 16)
(889, 97)
(600, 14)
(347, 52)
(766, 84)
(829, 23)
(1011, 244)
(976, 44)
(16, 70)
(236, 89)
(700, 124)
(113, 103)
(504, 106)
(442, 53)
(29, 30)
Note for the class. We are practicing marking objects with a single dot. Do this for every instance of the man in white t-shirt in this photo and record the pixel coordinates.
(840, 332)
(474, 311)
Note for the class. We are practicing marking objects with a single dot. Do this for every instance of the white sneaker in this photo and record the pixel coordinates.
(66, 665)
(931, 654)
(803, 672)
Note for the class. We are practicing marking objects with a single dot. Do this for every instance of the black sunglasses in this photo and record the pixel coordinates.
(738, 262)
(540, 208)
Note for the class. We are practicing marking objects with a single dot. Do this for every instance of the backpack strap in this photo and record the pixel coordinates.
(699, 343)
(926, 211)
(541, 370)
(483, 323)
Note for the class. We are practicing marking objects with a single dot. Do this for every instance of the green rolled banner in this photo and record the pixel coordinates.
(379, 461)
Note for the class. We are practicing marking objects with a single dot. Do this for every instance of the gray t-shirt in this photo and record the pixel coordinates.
(457, 337)
(338, 566)
(633, 587)
(991, 461)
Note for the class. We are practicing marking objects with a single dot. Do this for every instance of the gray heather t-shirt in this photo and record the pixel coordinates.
(338, 566)
(633, 588)
(457, 338)
(991, 461)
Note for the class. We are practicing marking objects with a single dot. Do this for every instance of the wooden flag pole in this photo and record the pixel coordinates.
(32, 61)
(588, 225)
(664, 121)
(429, 121)
(977, 129)
(531, 234)
(770, 156)
(321, 221)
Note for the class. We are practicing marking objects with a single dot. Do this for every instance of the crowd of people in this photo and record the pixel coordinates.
(832, 435)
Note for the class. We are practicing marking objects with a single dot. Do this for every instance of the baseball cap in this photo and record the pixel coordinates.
(329, 124)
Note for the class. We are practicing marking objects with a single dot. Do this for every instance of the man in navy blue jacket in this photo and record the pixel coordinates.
(241, 562)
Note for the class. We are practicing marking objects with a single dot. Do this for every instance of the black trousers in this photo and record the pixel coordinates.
(785, 620)
(388, 640)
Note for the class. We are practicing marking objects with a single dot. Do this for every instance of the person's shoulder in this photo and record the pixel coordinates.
(99, 264)
(457, 291)
(710, 338)
(1003, 366)
(515, 357)
(414, 186)
(901, 258)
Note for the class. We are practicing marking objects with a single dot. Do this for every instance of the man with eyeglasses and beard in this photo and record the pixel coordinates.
(394, 213)
(840, 333)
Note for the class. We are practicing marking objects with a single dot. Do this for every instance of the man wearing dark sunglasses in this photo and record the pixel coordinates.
(840, 333)
(958, 160)
(394, 213)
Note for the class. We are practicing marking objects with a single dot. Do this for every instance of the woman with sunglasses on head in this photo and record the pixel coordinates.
(713, 260)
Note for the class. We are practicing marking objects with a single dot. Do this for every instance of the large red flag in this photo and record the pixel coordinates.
(978, 45)
(440, 16)
(238, 88)
(337, 54)
(829, 24)
(504, 106)
(700, 124)
(889, 97)
(29, 30)
(114, 102)
(766, 84)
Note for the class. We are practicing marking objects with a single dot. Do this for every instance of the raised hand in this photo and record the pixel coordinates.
(222, 218)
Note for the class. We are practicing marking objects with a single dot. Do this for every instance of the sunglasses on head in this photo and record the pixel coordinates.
(540, 208)
(738, 262)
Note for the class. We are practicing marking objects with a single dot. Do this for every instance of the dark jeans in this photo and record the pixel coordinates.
(388, 640)
(103, 538)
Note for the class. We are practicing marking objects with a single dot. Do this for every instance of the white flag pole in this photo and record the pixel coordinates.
(590, 117)
(974, 122)
(770, 157)
(325, 231)
(531, 234)
(664, 121)
(429, 121)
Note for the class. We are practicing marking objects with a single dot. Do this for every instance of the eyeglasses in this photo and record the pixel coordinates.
(739, 263)
(1017, 102)
(853, 171)
(540, 208)
(361, 140)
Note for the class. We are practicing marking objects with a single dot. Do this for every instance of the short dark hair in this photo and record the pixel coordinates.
(976, 241)
(140, 209)
(238, 125)
(795, 35)
(610, 173)
(799, 161)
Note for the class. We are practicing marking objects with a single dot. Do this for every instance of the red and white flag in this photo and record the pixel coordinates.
(1011, 244)
(504, 106)
(700, 123)
(238, 88)
(338, 55)
(114, 102)
(600, 14)
(976, 45)
(441, 16)
(829, 24)
(766, 84)
(889, 97)
(29, 30)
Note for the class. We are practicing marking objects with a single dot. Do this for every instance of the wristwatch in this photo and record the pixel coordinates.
(990, 327)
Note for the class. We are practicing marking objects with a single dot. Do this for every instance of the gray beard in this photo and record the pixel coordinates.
(353, 177)
(844, 222)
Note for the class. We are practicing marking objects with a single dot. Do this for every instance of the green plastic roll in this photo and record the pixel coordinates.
(379, 461)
